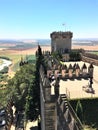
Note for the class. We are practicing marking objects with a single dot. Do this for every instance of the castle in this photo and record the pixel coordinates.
(56, 111)
(61, 41)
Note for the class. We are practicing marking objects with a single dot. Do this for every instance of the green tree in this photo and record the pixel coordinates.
(79, 110)
(4, 70)
(25, 88)
(75, 55)
(32, 107)
(18, 86)
(57, 55)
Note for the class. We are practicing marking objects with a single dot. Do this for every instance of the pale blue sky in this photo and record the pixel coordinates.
(38, 18)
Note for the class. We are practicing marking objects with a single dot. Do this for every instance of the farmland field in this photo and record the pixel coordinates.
(95, 52)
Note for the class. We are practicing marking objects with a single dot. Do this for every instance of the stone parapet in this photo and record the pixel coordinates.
(90, 60)
(61, 34)
(61, 41)
(67, 118)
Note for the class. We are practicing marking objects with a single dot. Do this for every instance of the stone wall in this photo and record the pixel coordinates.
(90, 60)
(56, 112)
(69, 72)
(47, 103)
(91, 55)
(61, 41)
(67, 118)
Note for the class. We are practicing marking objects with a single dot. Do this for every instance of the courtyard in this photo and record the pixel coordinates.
(77, 88)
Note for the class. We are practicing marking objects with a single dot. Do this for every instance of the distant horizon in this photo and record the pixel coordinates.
(44, 38)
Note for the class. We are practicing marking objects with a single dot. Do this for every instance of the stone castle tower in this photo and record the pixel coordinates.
(61, 41)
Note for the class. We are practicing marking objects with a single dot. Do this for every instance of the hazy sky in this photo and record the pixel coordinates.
(38, 18)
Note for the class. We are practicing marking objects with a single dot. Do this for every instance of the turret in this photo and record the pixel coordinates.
(61, 41)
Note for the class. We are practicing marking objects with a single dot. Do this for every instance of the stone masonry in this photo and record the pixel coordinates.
(61, 41)
(56, 112)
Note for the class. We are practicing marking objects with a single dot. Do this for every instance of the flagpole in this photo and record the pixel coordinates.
(64, 26)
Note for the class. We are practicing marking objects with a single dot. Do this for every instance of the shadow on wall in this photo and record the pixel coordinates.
(34, 128)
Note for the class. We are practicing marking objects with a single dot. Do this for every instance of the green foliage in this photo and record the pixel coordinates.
(57, 55)
(3, 97)
(4, 70)
(90, 111)
(75, 55)
(1, 76)
(18, 86)
(31, 59)
(94, 52)
(4, 57)
(32, 108)
(39, 51)
(25, 88)
(79, 110)
(11, 88)
(4, 78)
(40, 60)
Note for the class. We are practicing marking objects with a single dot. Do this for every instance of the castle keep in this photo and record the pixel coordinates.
(61, 41)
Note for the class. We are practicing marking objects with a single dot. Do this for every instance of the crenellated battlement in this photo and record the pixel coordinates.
(61, 41)
(69, 71)
(60, 34)
(56, 111)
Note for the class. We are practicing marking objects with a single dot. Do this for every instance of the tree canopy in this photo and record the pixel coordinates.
(24, 88)
(18, 86)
